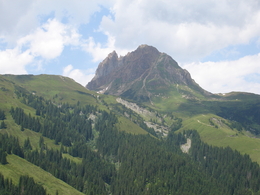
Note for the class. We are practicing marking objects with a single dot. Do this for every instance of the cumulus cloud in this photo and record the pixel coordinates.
(100, 52)
(12, 61)
(49, 40)
(226, 76)
(80, 76)
(46, 42)
(18, 18)
(186, 30)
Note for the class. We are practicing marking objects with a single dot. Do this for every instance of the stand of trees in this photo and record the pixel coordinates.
(146, 167)
(26, 186)
(247, 115)
(62, 124)
(228, 166)
(89, 176)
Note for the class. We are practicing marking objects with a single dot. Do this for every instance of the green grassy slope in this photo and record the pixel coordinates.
(197, 111)
(58, 88)
(17, 166)
(222, 135)
(129, 127)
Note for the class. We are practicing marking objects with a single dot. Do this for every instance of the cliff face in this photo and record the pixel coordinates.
(140, 75)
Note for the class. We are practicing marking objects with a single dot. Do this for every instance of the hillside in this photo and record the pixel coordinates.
(27, 92)
(83, 142)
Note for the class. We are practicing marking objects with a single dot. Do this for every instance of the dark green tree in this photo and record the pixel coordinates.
(27, 144)
(41, 142)
(3, 125)
(2, 115)
(22, 128)
(3, 159)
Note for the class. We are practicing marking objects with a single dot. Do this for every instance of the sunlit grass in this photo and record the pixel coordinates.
(18, 166)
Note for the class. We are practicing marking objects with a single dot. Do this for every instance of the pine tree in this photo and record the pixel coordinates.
(3, 155)
(27, 144)
(41, 142)
(22, 128)
(3, 125)
(2, 115)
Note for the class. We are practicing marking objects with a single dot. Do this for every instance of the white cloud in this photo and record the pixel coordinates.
(49, 40)
(80, 76)
(227, 76)
(12, 61)
(186, 30)
(96, 50)
(100, 52)
(18, 18)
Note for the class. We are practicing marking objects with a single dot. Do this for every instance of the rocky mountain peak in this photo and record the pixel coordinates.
(146, 49)
(140, 74)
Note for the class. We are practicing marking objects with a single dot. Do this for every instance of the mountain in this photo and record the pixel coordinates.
(57, 136)
(142, 75)
(150, 129)
(152, 84)
(155, 80)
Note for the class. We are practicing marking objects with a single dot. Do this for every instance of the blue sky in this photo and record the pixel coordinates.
(218, 42)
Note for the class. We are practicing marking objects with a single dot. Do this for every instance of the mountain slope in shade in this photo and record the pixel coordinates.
(143, 74)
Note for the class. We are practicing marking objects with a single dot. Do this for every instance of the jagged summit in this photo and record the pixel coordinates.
(107, 65)
(141, 75)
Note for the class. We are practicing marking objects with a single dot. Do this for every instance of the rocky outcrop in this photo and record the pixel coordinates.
(185, 147)
(122, 70)
(140, 75)
(160, 129)
(136, 108)
(108, 65)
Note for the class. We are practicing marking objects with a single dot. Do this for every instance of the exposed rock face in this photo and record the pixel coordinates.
(140, 74)
(136, 108)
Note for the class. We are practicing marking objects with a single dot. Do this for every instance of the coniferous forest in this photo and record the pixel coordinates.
(116, 162)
